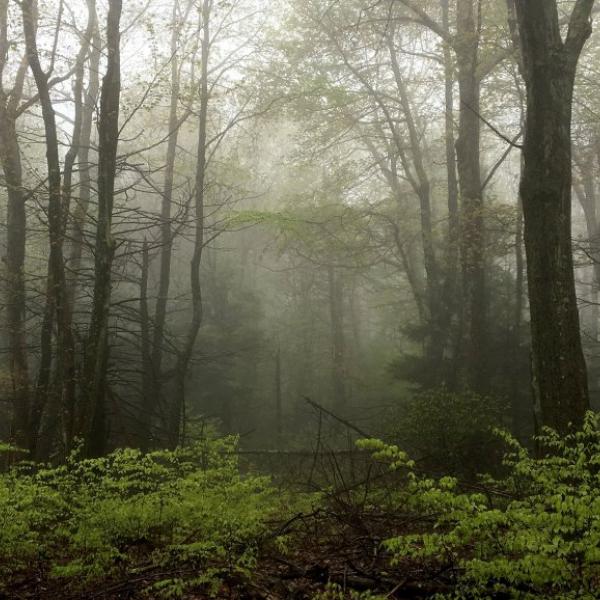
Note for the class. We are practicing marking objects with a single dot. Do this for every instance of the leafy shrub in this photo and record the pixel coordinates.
(451, 433)
(334, 591)
(533, 534)
(187, 513)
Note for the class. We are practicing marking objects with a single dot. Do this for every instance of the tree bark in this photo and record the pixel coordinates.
(338, 366)
(472, 245)
(559, 376)
(108, 137)
(144, 420)
(150, 401)
(56, 296)
(16, 236)
(437, 321)
(90, 99)
(451, 279)
(177, 405)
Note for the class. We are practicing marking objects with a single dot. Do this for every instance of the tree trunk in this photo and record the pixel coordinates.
(558, 367)
(10, 156)
(466, 46)
(278, 400)
(150, 402)
(453, 235)
(90, 100)
(438, 333)
(336, 311)
(108, 136)
(16, 235)
(183, 360)
(144, 419)
(56, 296)
(586, 193)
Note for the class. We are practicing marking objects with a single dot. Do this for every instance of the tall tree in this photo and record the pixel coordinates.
(57, 302)
(472, 244)
(10, 157)
(108, 134)
(184, 357)
(558, 366)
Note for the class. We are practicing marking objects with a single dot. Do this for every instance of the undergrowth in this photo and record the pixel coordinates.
(187, 514)
(533, 534)
(188, 524)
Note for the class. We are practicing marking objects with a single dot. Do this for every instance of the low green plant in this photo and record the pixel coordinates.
(334, 591)
(533, 534)
(188, 514)
(451, 433)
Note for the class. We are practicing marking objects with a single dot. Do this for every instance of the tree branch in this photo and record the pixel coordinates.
(580, 28)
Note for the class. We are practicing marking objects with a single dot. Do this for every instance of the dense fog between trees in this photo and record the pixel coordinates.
(265, 230)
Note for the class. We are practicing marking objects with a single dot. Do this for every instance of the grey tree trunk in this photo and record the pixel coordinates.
(472, 244)
(108, 135)
(177, 405)
(338, 366)
(86, 168)
(559, 376)
(16, 236)
(10, 156)
(57, 302)
(151, 398)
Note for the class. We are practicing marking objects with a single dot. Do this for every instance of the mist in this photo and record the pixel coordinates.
(299, 299)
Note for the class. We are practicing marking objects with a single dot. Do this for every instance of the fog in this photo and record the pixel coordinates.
(297, 223)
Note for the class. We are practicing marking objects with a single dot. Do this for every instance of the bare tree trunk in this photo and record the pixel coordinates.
(151, 400)
(15, 280)
(586, 194)
(90, 99)
(336, 311)
(108, 134)
(438, 336)
(453, 236)
(466, 46)
(145, 417)
(278, 399)
(183, 360)
(16, 235)
(558, 366)
(56, 296)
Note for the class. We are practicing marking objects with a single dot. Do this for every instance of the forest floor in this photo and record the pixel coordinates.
(329, 551)
(334, 555)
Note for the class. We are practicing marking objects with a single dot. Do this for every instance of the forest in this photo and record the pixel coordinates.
(299, 299)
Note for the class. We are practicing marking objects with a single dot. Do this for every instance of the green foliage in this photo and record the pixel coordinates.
(334, 591)
(533, 534)
(452, 433)
(180, 512)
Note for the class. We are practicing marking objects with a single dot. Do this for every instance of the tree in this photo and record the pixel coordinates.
(558, 366)
(56, 309)
(108, 133)
(186, 352)
(10, 157)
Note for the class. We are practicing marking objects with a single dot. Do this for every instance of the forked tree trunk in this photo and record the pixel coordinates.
(90, 100)
(558, 367)
(152, 375)
(57, 304)
(177, 405)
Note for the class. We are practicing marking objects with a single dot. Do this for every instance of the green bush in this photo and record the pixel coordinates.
(533, 534)
(334, 591)
(451, 433)
(187, 514)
